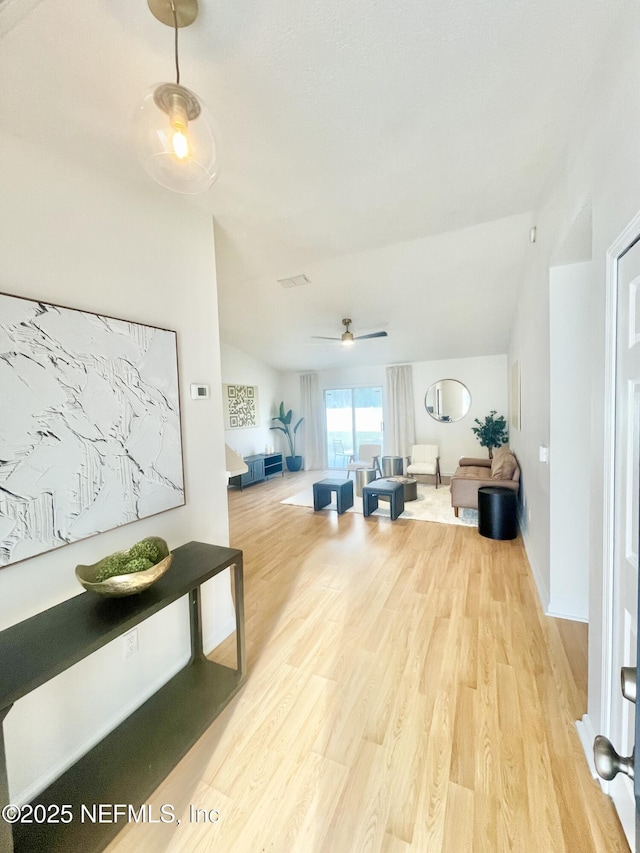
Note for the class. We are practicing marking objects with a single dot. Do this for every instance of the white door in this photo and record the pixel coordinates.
(626, 506)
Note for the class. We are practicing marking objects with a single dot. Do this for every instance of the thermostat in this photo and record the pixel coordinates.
(199, 392)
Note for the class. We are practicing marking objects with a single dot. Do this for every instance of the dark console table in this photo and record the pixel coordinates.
(131, 761)
(261, 466)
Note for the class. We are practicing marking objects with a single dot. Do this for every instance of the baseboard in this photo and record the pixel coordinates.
(560, 613)
(587, 737)
(220, 633)
(619, 789)
(68, 760)
(558, 608)
(543, 592)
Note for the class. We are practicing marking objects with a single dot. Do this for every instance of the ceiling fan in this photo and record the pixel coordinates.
(347, 337)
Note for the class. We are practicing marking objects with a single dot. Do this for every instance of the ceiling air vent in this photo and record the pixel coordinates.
(294, 281)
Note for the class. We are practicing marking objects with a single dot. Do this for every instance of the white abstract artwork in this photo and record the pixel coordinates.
(89, 425)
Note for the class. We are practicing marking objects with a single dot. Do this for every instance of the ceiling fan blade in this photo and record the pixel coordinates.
(372, 335)
(323, 338)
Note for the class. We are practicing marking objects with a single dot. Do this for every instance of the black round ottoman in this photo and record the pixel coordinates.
(497, 512)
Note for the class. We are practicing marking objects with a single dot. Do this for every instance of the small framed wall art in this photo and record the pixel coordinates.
(90, 434)
(240, 406)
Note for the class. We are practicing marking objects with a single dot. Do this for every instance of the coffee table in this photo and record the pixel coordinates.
(410, 487)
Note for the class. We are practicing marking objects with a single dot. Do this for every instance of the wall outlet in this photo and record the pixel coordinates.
(130, 643)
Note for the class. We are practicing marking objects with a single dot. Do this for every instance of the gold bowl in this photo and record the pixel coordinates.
(130, 584)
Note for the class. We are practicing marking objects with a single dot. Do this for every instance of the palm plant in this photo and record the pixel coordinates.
(492, 433)
(285, 419)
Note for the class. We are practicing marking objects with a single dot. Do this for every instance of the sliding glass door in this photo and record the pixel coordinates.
(353, 417)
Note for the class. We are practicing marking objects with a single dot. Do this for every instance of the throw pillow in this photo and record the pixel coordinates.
(503, 467)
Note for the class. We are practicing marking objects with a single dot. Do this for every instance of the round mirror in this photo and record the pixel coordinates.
(447, 400)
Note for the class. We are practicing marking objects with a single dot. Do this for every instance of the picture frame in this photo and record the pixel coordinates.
(240, 405)
(94, 439)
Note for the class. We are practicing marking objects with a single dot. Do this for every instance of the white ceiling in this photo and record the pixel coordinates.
(392, 151)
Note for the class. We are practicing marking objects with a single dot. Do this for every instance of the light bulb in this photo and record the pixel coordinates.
(178, 108)
(180, 144)
(347, 342)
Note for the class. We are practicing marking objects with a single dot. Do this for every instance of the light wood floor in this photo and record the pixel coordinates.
(405, 693)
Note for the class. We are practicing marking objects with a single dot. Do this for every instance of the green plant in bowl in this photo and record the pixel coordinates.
(127, 572)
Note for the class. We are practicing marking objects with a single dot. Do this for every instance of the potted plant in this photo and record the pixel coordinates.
(294, 463)
(492, 433)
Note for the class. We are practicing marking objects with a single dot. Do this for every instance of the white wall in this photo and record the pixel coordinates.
(71, 236)
(569, 473)
(602, 164)
(485, 377)
(530, 346)
(238, 368)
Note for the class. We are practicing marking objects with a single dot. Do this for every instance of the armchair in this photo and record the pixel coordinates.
(339, 452)
(425, 461)
(368, 457)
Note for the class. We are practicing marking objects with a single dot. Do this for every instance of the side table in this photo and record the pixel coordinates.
(364, 476)
(392, 466)
(497, 512)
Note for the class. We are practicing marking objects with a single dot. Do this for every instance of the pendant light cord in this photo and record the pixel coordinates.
(175, 27)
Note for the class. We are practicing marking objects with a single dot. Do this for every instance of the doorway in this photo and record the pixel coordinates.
(353, 416)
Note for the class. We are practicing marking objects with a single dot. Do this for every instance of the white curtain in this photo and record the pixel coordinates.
(312, 428)
(400, 434)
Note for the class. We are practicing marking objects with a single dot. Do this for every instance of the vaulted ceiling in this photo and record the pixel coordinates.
(392, 152)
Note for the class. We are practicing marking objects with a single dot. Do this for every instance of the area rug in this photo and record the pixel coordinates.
(432, 505)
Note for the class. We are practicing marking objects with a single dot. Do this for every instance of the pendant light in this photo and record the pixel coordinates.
(174, 129)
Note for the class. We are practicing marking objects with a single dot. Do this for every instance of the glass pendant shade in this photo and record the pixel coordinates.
(175, 139)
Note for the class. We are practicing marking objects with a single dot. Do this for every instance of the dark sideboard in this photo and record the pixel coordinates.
(261, 467)
(133, 759)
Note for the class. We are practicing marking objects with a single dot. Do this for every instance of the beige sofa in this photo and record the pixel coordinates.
(471, 474)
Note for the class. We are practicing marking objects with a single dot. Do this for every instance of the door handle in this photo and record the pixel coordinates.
(628, 682)
(608, 762)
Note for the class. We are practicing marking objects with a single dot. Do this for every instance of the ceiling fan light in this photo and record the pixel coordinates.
(175, 139)
(347, 339)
